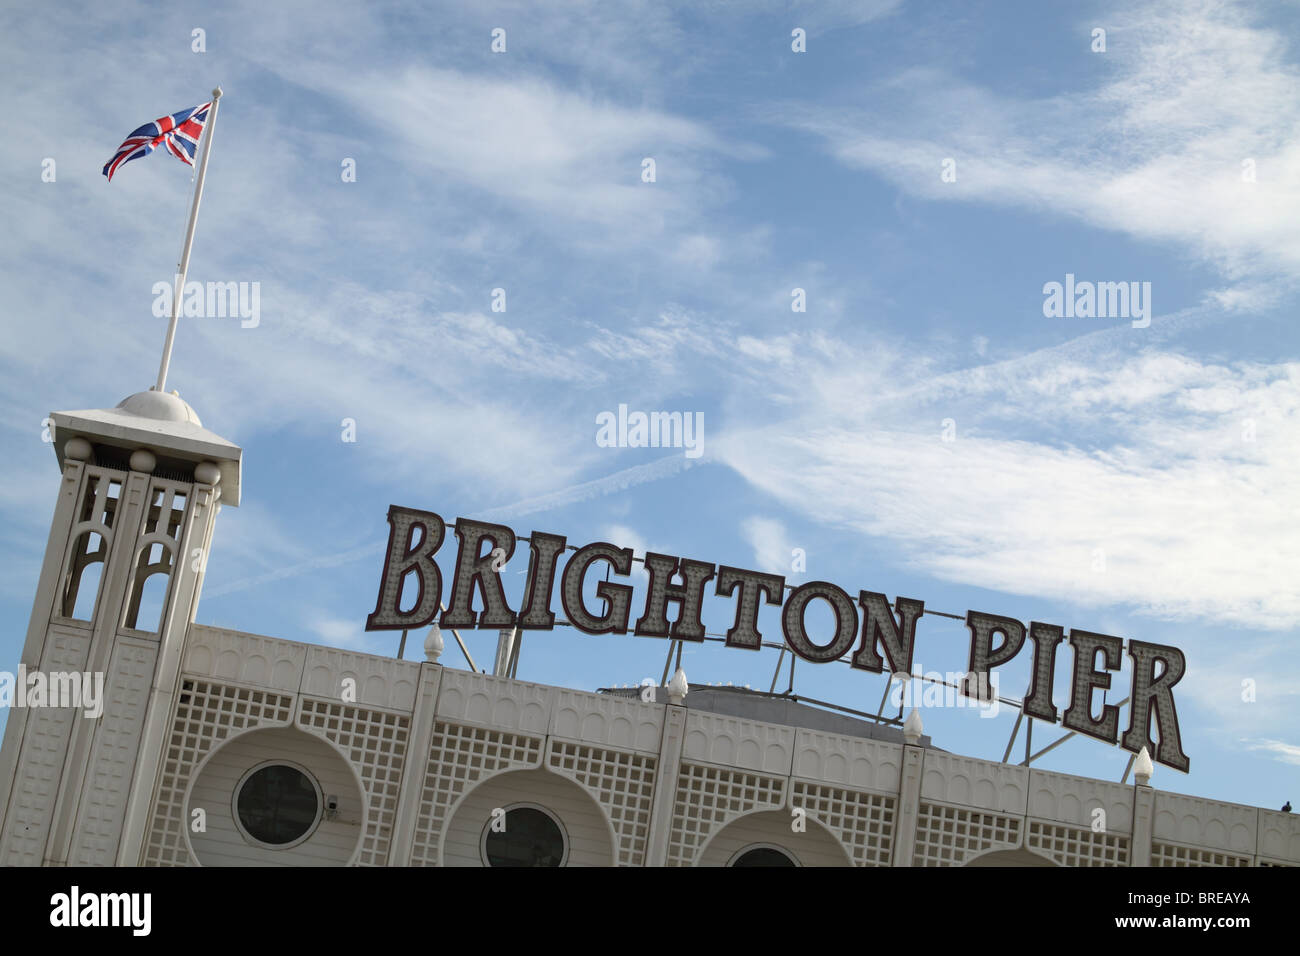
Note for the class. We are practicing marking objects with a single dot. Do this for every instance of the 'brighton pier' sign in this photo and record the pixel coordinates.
(885, 639)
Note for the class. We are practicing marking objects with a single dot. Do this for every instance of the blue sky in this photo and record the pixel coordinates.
(1169, 450)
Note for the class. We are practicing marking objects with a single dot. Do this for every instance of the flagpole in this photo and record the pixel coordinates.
(209, 128)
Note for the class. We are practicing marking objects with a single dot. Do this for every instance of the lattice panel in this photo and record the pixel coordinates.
(623, 784)
(1171, 854)
(864, 822)
(1076, 846)
(458, 756)
(949, 836)
(708, 797)
(206, 714)
(375, 742)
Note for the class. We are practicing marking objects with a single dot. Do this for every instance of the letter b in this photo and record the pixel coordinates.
(405, 558)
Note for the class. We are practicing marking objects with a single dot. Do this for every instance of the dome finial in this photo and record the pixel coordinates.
(433, 645)
(160, 406)
(1142, 768)
(913, 728)
(677, 687)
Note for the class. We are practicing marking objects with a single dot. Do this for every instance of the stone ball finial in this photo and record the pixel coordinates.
(677, 687)
(1143, 768)
(433, 645)
(207, 473)
(142, 459)
(78, 449)
(913, 728)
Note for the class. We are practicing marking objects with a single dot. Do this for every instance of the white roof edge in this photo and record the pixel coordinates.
(183, 440)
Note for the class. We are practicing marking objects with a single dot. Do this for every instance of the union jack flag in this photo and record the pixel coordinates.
(179, 133)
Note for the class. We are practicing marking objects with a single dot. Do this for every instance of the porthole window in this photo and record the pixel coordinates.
(524, 835)
(763, 854)
(277, 805)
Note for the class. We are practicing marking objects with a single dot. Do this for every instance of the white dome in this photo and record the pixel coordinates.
(161, 406)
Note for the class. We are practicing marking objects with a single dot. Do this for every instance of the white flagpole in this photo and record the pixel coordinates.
(208, 129)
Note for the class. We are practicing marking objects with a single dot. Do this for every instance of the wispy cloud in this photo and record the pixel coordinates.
(625, 537)
(1160, 482)
(1188, 138)
(1282, 752)
(771, 544)
(568, 156)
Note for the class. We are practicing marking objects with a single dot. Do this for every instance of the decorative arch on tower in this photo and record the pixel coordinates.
(91, 540)
(155, 555)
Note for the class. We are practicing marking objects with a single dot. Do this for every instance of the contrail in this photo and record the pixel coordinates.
(1009, 373)
(597, 488)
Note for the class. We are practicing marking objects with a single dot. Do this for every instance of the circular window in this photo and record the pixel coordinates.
(524, 835)
(277, 805)
(763, 855)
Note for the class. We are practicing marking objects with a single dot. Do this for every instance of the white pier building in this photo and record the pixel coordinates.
(216, 747)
